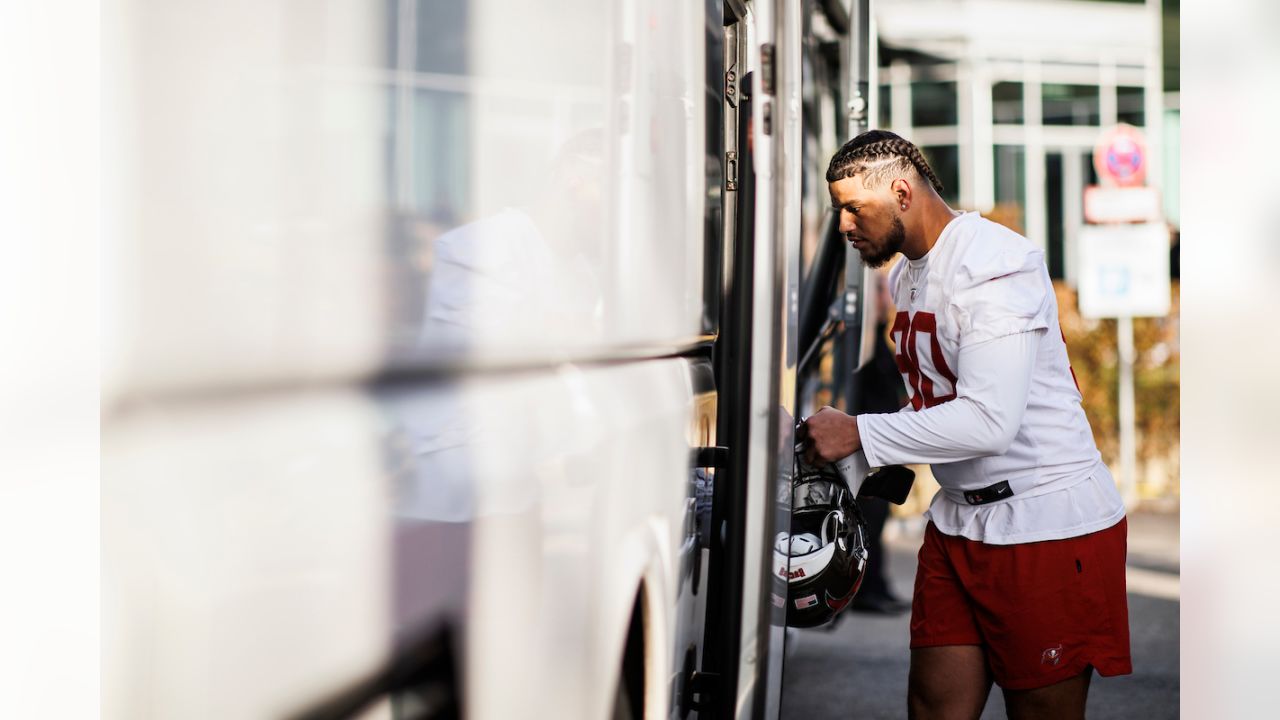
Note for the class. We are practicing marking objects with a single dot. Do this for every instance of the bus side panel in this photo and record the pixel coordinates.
(320, 222)
(582, 480)
(261, 553)
(349, 188)
(246, 555)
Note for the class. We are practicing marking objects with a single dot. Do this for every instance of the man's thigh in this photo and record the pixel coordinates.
(1061, 701)
(948, 682)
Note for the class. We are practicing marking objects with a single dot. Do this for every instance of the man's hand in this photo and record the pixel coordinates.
(829, 435)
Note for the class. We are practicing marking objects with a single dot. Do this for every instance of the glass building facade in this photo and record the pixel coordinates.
(1008, 106)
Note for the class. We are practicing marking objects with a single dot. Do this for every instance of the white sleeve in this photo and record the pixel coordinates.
(993, 382)
(1006, 298)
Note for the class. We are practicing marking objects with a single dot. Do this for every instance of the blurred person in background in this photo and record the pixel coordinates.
(1020, 578)
(878, 390)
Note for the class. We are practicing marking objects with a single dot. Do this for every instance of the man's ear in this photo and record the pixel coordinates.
(901, 190)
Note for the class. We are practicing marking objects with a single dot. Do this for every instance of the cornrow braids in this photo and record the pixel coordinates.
(876, 154)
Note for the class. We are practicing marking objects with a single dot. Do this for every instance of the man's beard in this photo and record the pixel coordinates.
(893, 242)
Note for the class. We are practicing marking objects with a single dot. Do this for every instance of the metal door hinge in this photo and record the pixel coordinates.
(731, 171)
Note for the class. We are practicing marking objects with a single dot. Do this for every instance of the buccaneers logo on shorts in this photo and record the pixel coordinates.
(1051, 656)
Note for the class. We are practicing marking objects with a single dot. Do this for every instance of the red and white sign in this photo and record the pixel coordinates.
(1121, 204)
(1120, 157)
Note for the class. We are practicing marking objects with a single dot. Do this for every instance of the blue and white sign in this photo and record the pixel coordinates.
(1124, 270)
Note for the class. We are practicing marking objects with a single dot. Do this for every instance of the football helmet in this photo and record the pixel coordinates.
(823, 558)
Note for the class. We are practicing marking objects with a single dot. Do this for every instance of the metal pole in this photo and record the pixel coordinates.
(1128, 415)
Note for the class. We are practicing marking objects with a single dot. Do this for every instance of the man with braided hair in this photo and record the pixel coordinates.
(1020, 578)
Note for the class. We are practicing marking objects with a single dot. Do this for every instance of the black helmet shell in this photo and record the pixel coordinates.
(823, 558)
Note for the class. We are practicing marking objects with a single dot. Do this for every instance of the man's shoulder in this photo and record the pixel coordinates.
(979, 238)
(984, 250)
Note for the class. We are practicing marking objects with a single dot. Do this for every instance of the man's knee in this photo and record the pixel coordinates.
(929, 701)
(1065, 700)
(926, 702)
(928, 691)
(947, 682)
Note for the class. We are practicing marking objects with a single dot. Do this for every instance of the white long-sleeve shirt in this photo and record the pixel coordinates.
(992, 394)
(982, 421)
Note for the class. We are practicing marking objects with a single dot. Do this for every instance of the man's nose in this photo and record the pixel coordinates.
(847, 224)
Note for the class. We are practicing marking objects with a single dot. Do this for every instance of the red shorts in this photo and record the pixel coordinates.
(1042, 611)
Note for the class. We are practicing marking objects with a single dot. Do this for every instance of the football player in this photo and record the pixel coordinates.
(1021, 574)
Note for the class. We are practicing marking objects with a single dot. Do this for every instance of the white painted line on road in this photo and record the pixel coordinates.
(1150, 582)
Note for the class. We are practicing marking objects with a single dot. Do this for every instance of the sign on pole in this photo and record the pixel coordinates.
(1124, 270)
(1124, 265)
(1120, 156)
(1121, 204)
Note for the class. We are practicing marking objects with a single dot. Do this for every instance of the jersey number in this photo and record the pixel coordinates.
(905, 331)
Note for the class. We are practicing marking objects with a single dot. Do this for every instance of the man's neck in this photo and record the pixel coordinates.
(935, 218)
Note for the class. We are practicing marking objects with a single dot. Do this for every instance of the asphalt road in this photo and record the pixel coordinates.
(857, 670)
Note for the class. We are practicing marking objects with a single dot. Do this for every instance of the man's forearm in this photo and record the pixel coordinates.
(958, 430)
(993, 388)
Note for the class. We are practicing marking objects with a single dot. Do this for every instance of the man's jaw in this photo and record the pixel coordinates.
(861, 244)
(868, 252)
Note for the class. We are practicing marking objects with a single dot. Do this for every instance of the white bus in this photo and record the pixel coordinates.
(450, 350)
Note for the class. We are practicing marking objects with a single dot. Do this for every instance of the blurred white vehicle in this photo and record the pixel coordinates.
(450, 351)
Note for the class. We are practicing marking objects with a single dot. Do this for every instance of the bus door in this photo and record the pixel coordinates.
(755, 356)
